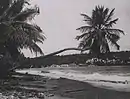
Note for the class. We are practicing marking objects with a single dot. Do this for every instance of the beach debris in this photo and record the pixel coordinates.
(26, 73)
(122, 82)
(126, 82)
(19, 95)
(45, 71)
(41, 95)
(50, 95)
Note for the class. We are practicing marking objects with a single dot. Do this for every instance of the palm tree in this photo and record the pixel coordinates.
(16, 29)
(17, 32)
(99, 31)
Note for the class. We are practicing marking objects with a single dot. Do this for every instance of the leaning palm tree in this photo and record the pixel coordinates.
(16, 29)
(17, 32)
(99, 32)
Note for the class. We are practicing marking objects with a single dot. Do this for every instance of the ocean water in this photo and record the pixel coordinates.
(108, 70)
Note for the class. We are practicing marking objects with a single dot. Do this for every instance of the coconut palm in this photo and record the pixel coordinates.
(99, 32)
(16, 29)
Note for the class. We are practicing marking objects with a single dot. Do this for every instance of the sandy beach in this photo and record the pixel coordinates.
(74, 85)
(68, 89)
(113, 82)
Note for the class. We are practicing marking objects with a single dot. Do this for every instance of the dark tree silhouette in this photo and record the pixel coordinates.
(17, 32)
(4, 4)
(99, 31)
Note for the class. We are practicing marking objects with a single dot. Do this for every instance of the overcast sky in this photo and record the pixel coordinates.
(60, 18)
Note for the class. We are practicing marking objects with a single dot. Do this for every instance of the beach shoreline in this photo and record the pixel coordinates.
(113, 82)
(30, 83)
(72, 89)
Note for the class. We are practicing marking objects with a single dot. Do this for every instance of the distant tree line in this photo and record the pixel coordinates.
(78, 59)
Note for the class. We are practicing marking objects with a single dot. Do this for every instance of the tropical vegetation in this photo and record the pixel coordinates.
(17, 31)
(99, 31)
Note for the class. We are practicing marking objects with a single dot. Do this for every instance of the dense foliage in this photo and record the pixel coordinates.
(98, 32)
(107, 59)
(17, 30)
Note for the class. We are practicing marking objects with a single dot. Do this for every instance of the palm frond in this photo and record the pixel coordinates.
(111, 23)
(110, 15)
(87, 19)
(33, 32)
(27, 14)
(83, 45)
(22, 39)
(18, 36)
(115, 37)
(14, 9)
(35, 48)
(113, 42)
(115, 31)
(23, 33)
(105, 12)
(86, 43)
(82, 36)
(84, 28)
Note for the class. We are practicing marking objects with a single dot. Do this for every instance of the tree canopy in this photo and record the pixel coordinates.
(17, 30)
(98, 32)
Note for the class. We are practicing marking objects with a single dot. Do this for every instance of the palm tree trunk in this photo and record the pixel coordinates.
(12, 49)
(46, 56)
(60, 51)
